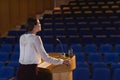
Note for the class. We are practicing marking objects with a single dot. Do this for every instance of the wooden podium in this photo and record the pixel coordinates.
(62, 72)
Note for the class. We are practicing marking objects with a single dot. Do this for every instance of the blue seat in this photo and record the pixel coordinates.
(90, 48)
(102, 39)
(87, 39)
(70, 25)
(63, 39)
(6, 48)
(48, 47)
(1, 40)
(60, 33)
(93, 58)
(16, 33)
(101, 74)
(12, 33)
(47, 26)
(14, 57)
(71, 32)
(80, 57)
(73, 39)
(7, 72)
(4, 56)
(111, 58)
(16, 48)
(48, 33)
(114, 40)
(59, 26)
(76, 48)
(106, 48)
(39, 33)
(117, 48)
(84, 32)
(1, 64)
(82, 74)
(116, 74)
(82, 65)
(98, 32)
(14, 64)
(61, 48)
(48, 40)
(114, 66)
(9, 40)
(3, 79)
(99, 65)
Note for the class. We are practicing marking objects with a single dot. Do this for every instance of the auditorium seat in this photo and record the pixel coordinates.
(48, 40)
(115, 66)
(106, 48)
(10, 40)
(6, 48)
(82, 65)
(111, 58)
(116, 73)
(90, 48)
(14, 57)
(59, 26)
(3, 79)
(80, 57)
(114, 40)
(77, 48)
(49, 48)
(14, 64)
(117, 48)
(61, 47)
(16, 33)
(7, 72)
(4, 56)
(82, 74)
(47, 26)
(60, 33)
(16, 48)
(99, 65)
(101, 74)
(2, 64)
(73, 39)
(94, 58)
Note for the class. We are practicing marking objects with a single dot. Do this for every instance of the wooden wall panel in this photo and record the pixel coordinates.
(4, 16)
(48, 4)
(31, 8)
(23, 13)
(39, 6)
(15, 12)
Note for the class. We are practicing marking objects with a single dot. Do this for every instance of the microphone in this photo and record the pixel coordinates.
(61, 45)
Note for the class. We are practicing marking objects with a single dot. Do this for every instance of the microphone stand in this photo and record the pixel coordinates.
(61, 45)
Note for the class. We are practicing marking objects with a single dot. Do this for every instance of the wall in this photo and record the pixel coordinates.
(15, 12)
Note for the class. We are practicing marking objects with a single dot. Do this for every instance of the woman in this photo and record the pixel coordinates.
(32, 51)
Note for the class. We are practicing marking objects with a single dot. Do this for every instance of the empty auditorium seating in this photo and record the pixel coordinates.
(82, 74)
(94, 58)
(101, 73)
(90, 27)
(116, 73)
(90, 48)
(7, 72)
(77, 48)
(49, 48)
(111, 58)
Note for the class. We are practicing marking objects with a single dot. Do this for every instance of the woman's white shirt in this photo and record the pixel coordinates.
(32, 51)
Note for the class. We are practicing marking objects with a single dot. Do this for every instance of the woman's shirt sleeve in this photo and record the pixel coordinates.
(39, 46)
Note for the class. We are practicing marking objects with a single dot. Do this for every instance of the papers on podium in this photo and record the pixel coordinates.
(44, 65)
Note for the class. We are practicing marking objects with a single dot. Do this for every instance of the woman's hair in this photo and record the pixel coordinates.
(30, 24)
